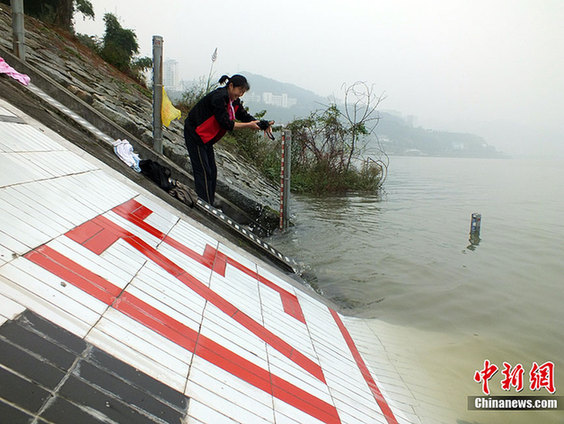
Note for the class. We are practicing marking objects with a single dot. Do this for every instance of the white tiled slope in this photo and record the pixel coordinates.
(48, 188)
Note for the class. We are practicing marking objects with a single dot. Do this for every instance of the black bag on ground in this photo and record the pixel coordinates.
(156, 172)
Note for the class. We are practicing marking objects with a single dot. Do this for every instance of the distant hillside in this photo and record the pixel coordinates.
(285, 102)
(398, 136)
(305, 101)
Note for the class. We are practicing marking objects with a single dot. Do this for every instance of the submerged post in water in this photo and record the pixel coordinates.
(475, 225)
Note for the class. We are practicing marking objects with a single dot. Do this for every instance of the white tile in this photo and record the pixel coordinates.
(235, 408)
(354, 389)
(91, 261)
(3, 319)
(160, 218)
(240, 290)
(133, 229)
(32, 215)
(237, 339)
(243, 394)
(347, 418)
(13, 172)
(279, 281)
(92, 191)
(285, 412)
(6, 112)
(136, 359)
(84, 195)
(191, 237)
(9, 308)
(11, 218)
(58, 163)
(124, 257)
(53, 290)
(6, 254)
(356, 414)
(201, 272)
(12, 245)
(192, 420)
(42, 307)
(105, 190)
(16, 197)
(223, 323)
(166, 305)
(51, 197)
(17, 228)
(144, 340)
(22, 271)
(294, 374)
(201, 412)
(30, 170)
(23, 138)
(65, 202)
(283, 419)
(225, 378)
(247, 261)
(170, 287)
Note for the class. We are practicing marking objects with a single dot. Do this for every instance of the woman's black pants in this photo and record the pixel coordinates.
(204, 169)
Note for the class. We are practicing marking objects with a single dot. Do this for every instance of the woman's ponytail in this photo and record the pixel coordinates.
(237, 81)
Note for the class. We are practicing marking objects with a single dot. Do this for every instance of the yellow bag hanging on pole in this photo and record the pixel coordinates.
(168, 111)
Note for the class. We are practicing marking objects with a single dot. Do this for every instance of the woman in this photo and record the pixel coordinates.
(215, 114)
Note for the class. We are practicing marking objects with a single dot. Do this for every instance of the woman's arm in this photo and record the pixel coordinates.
(252, 125)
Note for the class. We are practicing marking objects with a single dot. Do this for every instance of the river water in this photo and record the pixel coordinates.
(404, 257)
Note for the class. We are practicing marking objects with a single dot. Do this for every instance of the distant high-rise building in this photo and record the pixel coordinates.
(170, 74)
(281, 100)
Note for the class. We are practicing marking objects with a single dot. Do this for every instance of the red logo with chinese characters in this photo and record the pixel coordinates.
(540, 376)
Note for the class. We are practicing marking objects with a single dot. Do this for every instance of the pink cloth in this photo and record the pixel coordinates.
(8, 70)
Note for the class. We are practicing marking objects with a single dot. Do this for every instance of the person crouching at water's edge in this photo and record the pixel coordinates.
(218, 112)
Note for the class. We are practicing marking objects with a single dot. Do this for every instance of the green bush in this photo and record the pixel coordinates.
(323, 151)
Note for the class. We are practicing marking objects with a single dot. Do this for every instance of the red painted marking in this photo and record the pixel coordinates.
(157, 321)
(181, 334)
(135, 212)
(386, 410)
(112, 230)
(290, 301)
(74, 273)
(93, 236)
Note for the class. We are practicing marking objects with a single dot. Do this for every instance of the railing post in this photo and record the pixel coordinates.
(18, 28)
(157, 93)
(285, 172)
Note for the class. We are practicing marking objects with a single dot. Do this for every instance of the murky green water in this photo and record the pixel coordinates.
(404, 257)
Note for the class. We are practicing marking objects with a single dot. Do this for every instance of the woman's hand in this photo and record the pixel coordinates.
(254, 125)
(268, 131)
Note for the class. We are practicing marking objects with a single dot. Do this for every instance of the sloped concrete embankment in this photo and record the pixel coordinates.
(120, 107)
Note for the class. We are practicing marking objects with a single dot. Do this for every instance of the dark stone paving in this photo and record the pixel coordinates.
(48, 375)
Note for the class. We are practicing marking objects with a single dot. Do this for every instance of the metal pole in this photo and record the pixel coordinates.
(18, 28)
(285, 172)
(157, 93)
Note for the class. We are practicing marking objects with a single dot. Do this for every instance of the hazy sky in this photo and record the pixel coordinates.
(491, 67)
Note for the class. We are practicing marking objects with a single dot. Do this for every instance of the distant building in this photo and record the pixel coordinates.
(170, 75)
(252, 97)
(268, 98)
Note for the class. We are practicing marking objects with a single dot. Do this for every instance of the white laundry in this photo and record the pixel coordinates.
(124, 150)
